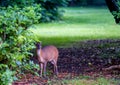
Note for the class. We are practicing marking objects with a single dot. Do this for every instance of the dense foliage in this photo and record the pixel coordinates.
(49, 12)
(15, 40)
(20, 3)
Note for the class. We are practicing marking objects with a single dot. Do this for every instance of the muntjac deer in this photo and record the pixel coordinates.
(47, 54)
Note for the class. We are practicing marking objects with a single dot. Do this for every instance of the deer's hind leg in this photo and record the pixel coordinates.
(55, 66)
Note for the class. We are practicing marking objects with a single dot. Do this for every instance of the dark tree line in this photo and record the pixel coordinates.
(86, 2)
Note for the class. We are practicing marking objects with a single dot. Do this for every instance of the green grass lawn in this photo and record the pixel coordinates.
(78, 24)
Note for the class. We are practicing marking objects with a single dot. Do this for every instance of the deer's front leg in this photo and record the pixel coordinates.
(41, 68)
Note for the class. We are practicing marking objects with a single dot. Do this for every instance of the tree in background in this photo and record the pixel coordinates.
(114, 8)
(49, 8)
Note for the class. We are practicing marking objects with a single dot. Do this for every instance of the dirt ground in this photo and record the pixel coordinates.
(88, 58)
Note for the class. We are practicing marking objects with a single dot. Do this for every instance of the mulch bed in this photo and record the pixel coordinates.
(83, 58)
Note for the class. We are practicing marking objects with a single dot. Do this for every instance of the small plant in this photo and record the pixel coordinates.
(6, 75)
(28, 67)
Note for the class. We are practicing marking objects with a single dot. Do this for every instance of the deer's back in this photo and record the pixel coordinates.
(50, 53)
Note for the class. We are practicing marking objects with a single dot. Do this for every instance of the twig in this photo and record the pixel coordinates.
(112, 67)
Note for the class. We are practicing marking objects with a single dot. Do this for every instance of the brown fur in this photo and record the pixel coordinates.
(48, 54)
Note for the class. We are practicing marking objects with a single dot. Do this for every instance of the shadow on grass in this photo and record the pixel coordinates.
(68, 41)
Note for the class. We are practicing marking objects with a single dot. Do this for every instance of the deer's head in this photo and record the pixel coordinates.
(38, 45)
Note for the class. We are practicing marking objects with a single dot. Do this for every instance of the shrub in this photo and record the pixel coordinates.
(15, 40)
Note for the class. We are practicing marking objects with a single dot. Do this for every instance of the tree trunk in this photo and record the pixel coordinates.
(113, 6)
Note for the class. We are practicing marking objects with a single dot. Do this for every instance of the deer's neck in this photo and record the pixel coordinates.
(39, 54)
(39, 51)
